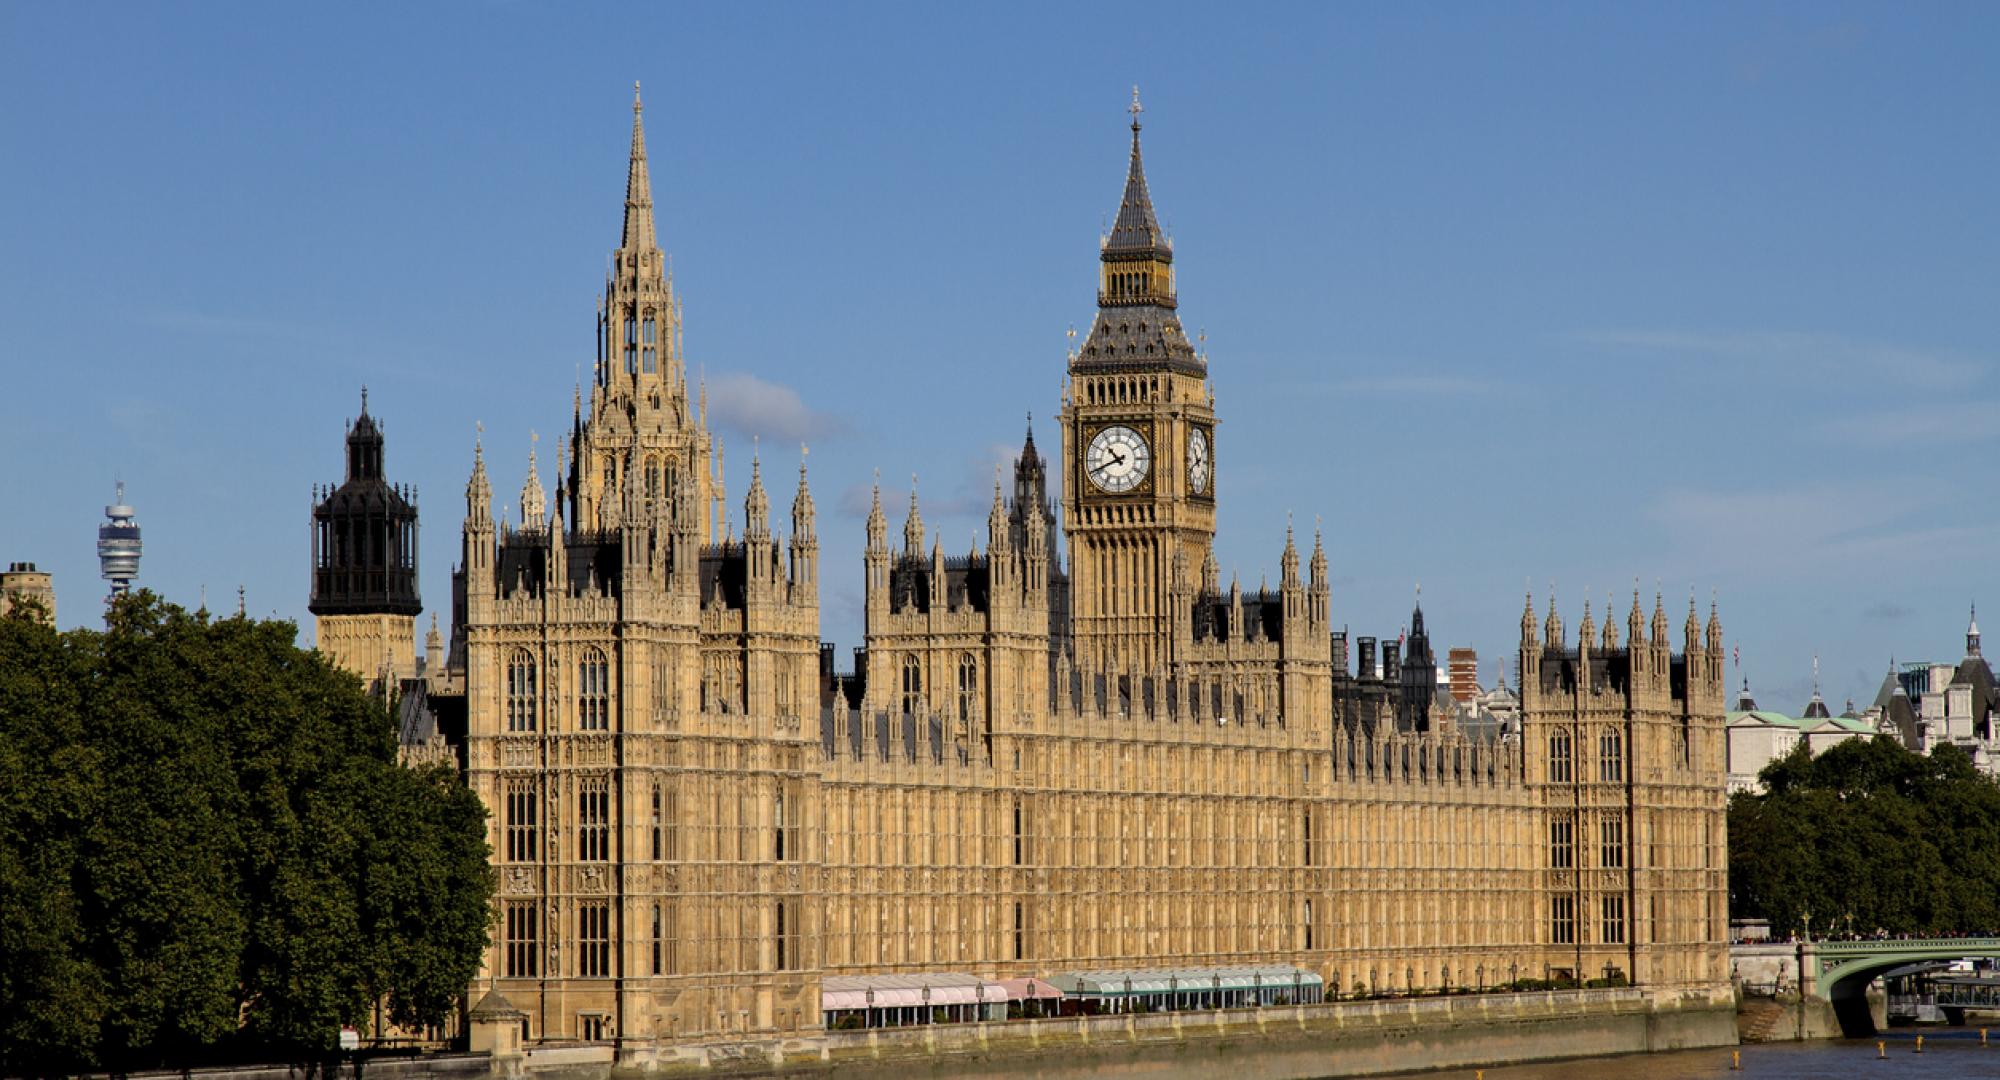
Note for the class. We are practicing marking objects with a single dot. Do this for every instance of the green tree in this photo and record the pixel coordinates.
(1867, 829)
(209, 852)
(53, 996)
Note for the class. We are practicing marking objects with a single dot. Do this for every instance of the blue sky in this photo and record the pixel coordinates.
(1700, 294)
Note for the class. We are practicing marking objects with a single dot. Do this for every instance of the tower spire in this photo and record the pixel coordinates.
(638, 186)
(1138, 227)
(1136, 270)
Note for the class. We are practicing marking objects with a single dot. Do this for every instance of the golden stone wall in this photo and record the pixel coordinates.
(372, 646)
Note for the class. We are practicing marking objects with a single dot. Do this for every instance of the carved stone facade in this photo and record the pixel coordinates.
(1030, 771)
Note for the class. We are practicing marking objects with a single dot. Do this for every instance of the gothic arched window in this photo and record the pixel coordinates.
(1611, 757)
(649, 365)
(593, 692)
(1559, 756)
(913, 684)
(631, 345)
(521, 698)
(968, 686)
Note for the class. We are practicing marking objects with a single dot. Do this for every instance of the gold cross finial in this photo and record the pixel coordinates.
(1135, 108)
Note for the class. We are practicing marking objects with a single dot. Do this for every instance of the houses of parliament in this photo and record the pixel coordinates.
(1076, 749)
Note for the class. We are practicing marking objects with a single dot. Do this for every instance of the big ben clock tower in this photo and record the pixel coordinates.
(1138, 426)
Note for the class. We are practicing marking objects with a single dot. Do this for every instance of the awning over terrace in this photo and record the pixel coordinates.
(926, 998)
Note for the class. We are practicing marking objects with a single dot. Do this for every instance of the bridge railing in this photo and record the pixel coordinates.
(1872, 946)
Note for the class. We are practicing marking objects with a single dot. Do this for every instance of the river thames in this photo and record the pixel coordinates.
(1948, 1053)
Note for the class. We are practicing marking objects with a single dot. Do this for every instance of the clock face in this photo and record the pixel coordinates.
(1198, 464)
(1117, 459)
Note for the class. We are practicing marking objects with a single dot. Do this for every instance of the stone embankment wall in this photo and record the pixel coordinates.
(1283, 1043)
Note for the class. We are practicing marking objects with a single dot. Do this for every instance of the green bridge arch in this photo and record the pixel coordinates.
(1842, 970)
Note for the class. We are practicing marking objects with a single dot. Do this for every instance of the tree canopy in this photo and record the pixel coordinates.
(208, 850)
(1898, 841)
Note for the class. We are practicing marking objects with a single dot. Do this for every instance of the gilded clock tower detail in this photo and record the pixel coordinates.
(1138, 458)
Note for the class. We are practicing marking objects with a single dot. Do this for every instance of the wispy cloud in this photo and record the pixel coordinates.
(1820, 355)
(750, 406)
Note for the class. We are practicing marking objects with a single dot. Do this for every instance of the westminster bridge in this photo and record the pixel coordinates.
(1835, 974)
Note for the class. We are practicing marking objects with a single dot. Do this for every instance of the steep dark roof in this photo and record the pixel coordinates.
(1138, 228)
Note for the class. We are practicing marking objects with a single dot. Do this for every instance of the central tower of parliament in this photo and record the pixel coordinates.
(1037, 766)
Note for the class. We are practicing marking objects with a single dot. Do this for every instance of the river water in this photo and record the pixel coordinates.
(1948, 1053)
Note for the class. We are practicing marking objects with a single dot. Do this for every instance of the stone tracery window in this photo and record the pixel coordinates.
(1613, 923)
(968, 686)
(593, 820)
(521, 697)
(593, 692)
(1562, 920)
(913, 684)
(1559, 756)
(1611, 837)
(1611, 757)
(593, 932)
(523, 802)
(524, 938)
(1562, 843)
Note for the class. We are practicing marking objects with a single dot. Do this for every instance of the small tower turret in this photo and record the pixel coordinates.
(805, 540)
(1319, 586)
(364, 564)
(756, 505)
(534, 509)
(913, 526)
(876, 557)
